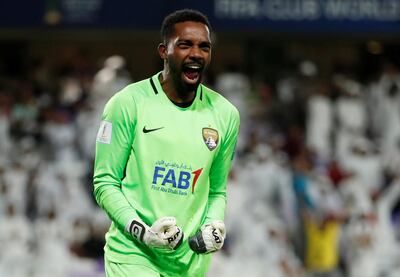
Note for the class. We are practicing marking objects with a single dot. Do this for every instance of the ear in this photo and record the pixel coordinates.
(162, 50)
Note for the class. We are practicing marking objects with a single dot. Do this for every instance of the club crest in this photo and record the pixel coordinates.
(210, 137)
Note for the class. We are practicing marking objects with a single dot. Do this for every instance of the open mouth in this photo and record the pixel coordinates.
(192, 72)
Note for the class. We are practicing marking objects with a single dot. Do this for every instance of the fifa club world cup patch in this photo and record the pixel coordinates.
(210, 137)
(105, 132)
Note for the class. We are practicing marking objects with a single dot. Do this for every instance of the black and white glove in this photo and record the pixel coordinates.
(164, 233)
(209, 238)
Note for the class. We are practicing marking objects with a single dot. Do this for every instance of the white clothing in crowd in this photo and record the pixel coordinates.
(61, 136)
(5, 140)
(16, 179)
(351, 114)
(380, 92)
(60, 187)
(359, 243)
(369, 245)
(324, 195)
(15, 239)
(88, 124)
(387, 244)
(319, 125)
(355, 196)
(384, 102)
(236, 87)
(52, 255)
(366, 164)
(259, 201)
(107, 81)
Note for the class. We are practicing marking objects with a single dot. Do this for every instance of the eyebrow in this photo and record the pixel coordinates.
(207, 43)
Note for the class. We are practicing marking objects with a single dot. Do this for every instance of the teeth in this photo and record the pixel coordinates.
(193, 66)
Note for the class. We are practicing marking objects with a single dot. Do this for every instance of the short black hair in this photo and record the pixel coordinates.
(168, 25)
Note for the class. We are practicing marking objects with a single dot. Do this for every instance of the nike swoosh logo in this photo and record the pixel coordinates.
(150, 130)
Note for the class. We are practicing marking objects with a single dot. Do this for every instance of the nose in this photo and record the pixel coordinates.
(195, 53)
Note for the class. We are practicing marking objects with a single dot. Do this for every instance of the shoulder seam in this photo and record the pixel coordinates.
(153, 85)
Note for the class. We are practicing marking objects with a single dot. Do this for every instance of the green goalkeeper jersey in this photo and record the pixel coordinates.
(154, 159)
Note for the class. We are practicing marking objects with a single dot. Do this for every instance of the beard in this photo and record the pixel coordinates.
(182, 86)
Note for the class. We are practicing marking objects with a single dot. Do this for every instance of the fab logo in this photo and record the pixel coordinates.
(174, 180)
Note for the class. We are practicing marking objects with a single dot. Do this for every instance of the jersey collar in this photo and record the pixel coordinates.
(156, 85)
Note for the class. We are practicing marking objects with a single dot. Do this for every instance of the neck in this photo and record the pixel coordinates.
(174, 90)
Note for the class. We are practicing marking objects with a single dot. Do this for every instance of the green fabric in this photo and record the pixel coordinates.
(145, 173)
(128, 270)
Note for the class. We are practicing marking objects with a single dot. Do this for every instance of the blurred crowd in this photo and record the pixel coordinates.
(50, 224)
(314, 189)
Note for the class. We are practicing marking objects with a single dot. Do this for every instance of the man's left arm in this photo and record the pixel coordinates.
(211, 236)
(220, 170)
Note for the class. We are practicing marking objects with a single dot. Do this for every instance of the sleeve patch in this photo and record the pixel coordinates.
(105, 132)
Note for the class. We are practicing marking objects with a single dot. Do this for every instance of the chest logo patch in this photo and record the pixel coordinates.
(211, 138)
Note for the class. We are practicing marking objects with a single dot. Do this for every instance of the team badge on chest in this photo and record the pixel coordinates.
(210, 137)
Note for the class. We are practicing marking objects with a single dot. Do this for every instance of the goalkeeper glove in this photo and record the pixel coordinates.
(209, 238)
(162, 234)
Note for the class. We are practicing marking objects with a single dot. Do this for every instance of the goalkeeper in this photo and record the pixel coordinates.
(163, 152)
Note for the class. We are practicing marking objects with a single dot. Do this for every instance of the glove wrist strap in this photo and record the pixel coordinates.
(137, 229)
(197, 243)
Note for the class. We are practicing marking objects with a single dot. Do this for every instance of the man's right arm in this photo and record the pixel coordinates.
(113, 147)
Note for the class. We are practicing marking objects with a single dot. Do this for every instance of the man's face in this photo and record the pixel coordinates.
(188, 53)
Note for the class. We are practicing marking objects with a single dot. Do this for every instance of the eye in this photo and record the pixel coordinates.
(184, 45)
(205, 47)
